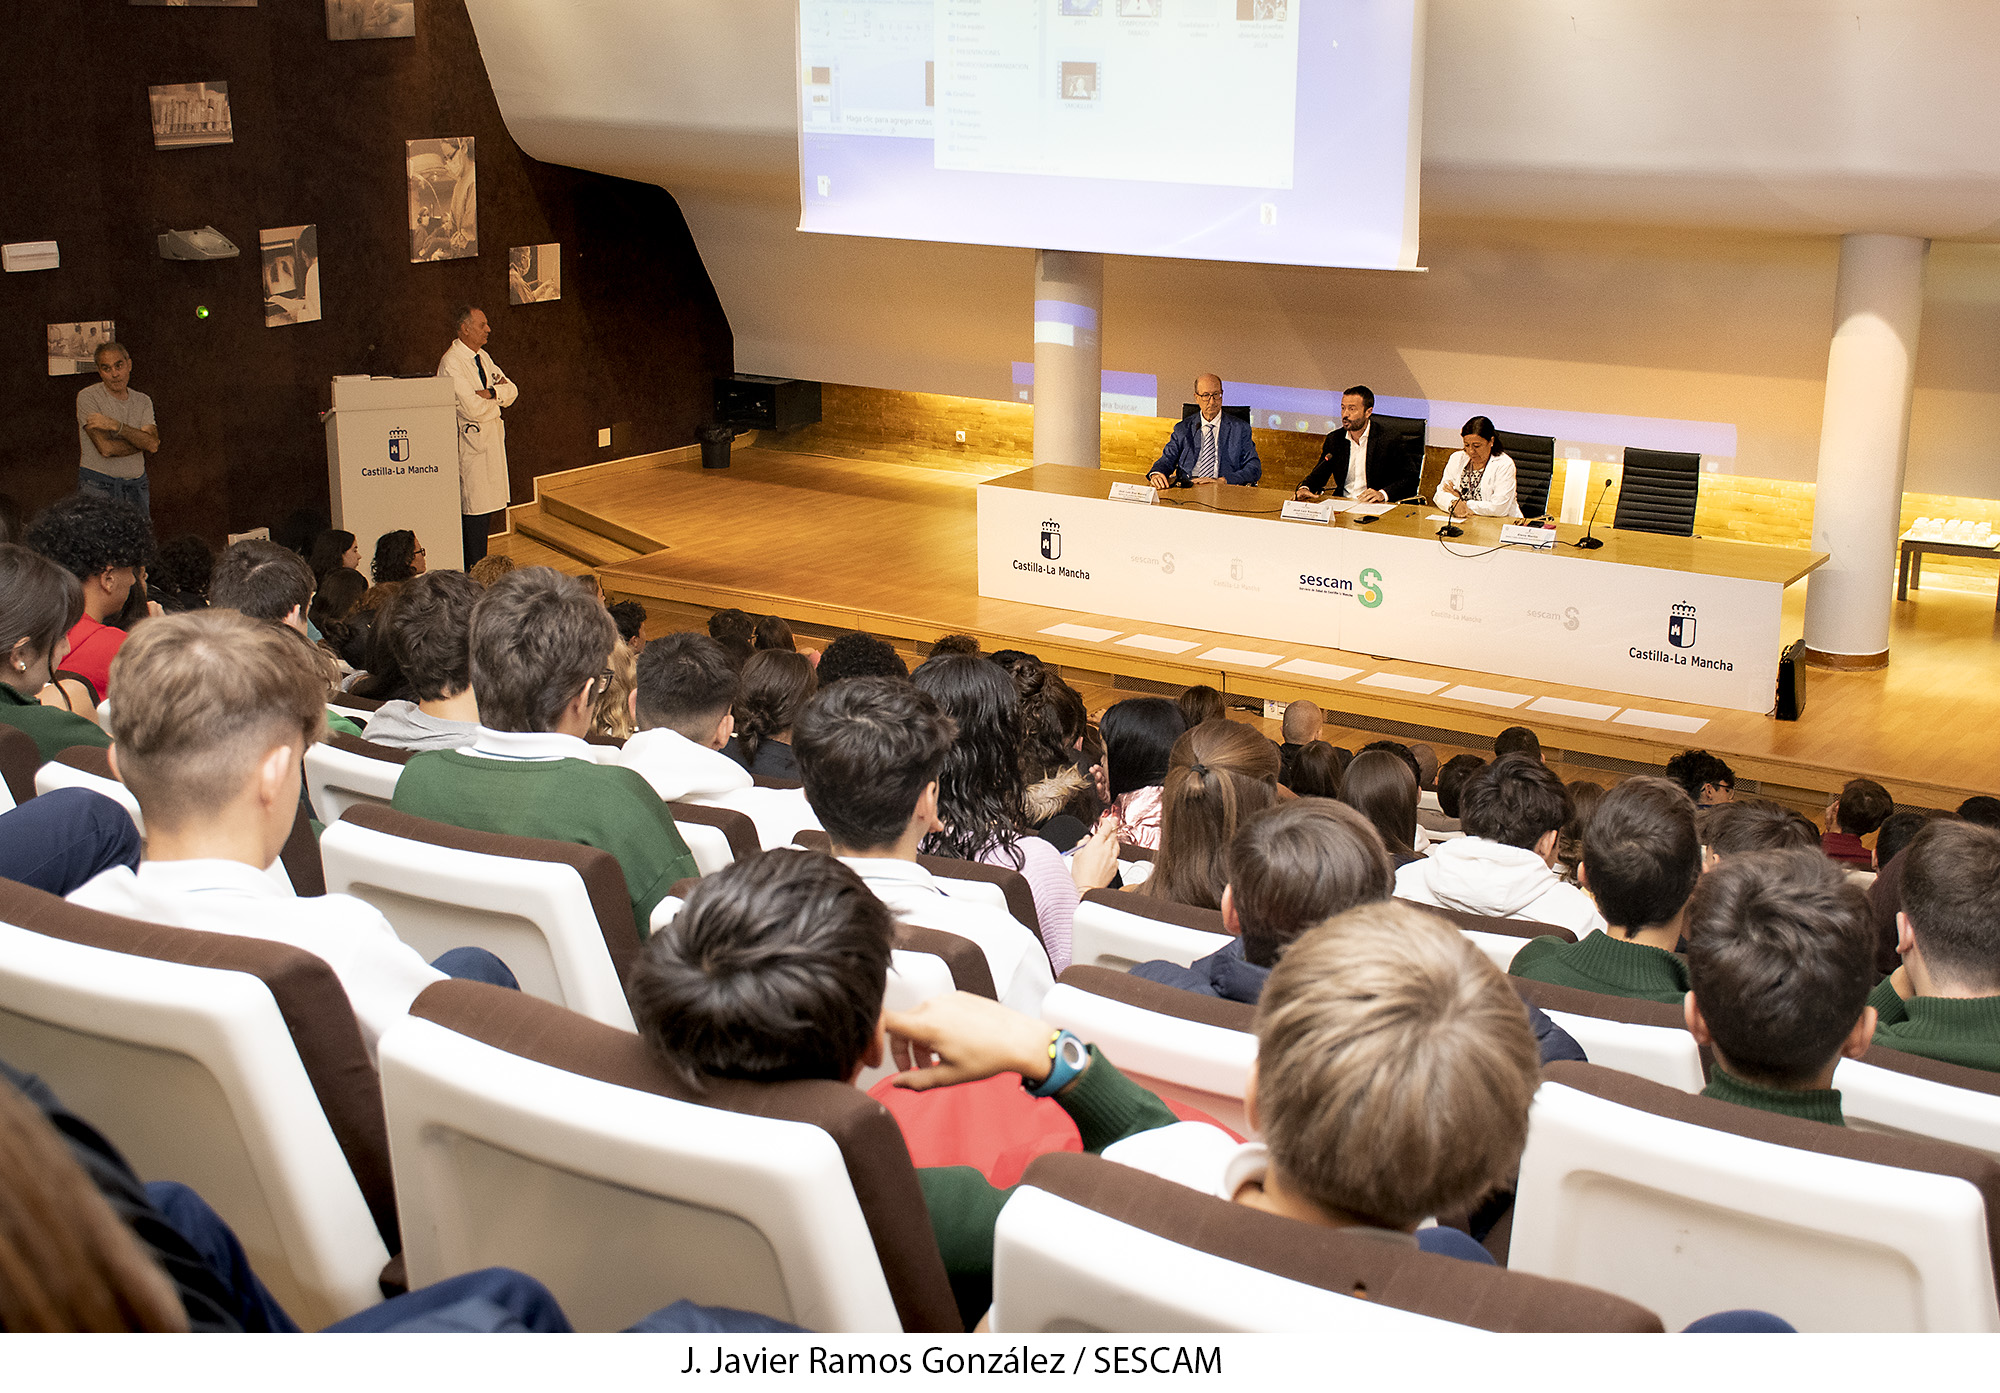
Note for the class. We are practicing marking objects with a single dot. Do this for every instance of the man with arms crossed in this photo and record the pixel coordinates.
(115, 432)
(482, 389)
(1207, 445)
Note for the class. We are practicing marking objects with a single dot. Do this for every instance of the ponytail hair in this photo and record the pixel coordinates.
(1217, 774)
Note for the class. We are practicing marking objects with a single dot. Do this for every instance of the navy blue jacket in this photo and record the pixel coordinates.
(1236, 452)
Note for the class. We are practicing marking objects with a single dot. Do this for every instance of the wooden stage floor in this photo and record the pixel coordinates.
(891, 549)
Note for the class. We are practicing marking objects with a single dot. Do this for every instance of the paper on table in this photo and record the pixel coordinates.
(1562, 706)
(1437, 517)
(1306, 667)
(1422, 686)
(1152, 643)
(1486, 696)
(1082, 631)
(1370, 510)
(1660, 720)
(1242, 657)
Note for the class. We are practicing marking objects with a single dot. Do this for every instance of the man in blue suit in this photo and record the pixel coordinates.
(1207, 445)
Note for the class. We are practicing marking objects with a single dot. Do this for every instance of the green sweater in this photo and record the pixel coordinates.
(1813, 1104)
(1600, 963)
(1958, 1030)
(964, 1206)
(51, 728)
(562, 800)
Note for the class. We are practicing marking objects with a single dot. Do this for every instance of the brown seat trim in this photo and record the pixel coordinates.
(355, 745)
(736, 827)
(609, 740)
(357, 703)
(766, 781)
(20, 757)
(1132, 851)
(813, 839)
(1491, 924)
(878, 1162)
(1012, 884)
(966, 960)
(91, 759)
(1426, 1284)
(1163, 911)
(300, 856)
(1936, 1070)
(1901, 1153)
(603, 879)
(1578, 1002)
(309, 998)
(1162, 999)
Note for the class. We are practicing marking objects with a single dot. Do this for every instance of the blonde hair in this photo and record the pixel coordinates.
(1395, 1067)
(491, 567)
(612, 715)
(66, 1261)
(202, 697)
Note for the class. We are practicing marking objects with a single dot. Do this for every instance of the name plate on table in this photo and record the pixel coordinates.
(1134, 493)
(1521, 535)
(1298, 510)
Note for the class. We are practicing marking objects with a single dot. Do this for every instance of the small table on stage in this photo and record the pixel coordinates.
(1910, 567)
(1681, 618)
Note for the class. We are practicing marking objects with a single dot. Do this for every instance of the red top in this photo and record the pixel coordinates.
(91, 648)
(1846, 848)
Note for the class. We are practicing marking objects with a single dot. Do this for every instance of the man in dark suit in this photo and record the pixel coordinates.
(1386, 472)
(1207, 445)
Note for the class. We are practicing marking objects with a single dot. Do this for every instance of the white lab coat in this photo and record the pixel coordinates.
(482, 435)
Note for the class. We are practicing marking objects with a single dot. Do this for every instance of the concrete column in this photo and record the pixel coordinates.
(1863, 439)
(1069, 358)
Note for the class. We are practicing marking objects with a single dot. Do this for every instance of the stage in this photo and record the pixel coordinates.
(891, 548)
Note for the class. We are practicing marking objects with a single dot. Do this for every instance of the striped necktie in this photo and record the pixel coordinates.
(1205, 467)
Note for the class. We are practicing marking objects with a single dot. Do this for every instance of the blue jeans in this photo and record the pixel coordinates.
(137, 492)
(474, 965)
(60, 840)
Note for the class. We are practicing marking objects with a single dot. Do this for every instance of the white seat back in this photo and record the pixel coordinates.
(620, 1201)
(977, 891)
(1202, 1065)
(1688, 1220)
(1101, 936)
(708, 845)
(535, 916)
(914, 978)
(55, 774)
(192, 1074)
(1657, 1052)
(1498, 948)
(1875, 1099)
(337, 779)
(1061, 1267)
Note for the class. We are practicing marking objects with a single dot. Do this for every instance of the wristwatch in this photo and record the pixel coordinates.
(1068, 1056)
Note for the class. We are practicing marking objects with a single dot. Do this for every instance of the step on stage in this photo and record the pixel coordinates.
(891, 549)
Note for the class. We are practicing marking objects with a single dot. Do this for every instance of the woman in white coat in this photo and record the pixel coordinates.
(1478, 480)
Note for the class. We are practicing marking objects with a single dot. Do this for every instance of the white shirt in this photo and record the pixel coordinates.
(381, 974)
(1019, 965)
(536, 745)
(1357, 462)
(1477, 876)
(680, 770)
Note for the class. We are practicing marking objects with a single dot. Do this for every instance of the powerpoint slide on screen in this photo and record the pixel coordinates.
(1243, 130)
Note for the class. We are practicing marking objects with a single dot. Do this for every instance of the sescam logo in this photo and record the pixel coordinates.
(1051, 551)
(399, 445)
(1369, 593)
(1051, 540)
(1680, 626)
(1371, 588)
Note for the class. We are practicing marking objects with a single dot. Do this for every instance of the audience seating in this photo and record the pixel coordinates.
(1182, 1045)
(964, 880)
(1690, 1205)
(356, 708)
(528, 1136)
(230, 1064)
(19, 758)
(1116, 930)
(1657, 491)
(715, 836)
(87, 766)
(1908, 1095)
(1499, 939)
(1087, 1244)
(1647, 1038)
(556, 913)
(342, 771)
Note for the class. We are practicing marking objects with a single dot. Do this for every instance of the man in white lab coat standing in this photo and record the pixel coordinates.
(482, 391)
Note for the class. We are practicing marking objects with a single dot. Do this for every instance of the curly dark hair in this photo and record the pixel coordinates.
(86, 535)
(980, 791)
(395, 556)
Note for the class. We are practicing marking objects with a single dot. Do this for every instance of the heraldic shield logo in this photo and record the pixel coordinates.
(1680, 626)
(1051, 540)
(399, 445)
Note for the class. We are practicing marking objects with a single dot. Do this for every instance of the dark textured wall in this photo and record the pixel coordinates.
(319, 129)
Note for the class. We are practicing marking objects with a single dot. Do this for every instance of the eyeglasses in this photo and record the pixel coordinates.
(1206, 396)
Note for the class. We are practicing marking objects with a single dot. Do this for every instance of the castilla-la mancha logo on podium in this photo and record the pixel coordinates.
(1051, 540)
(399, 445)
(1680, 626)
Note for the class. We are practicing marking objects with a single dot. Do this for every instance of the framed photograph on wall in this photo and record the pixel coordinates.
(73, 347)
(534, 273)
(371, 19)
(444, 211)
(191, 113)
(291, 274)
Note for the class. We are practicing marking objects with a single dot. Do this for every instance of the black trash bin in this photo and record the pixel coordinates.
(715, 446)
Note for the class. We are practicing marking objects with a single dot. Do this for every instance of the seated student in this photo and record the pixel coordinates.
(1754, 824)
(1317, 771)
(859, 655)
(215, 713)
(1303, 721)
(1779, 957)
(1218, 774)
(268, 582)
(40, 603)
(538, 645)
(1517, 740)
(1862, 807)
(427, 624)
(1376, 1024)
(1898, 830)
(1419, 837)
(1584, 796)
(1513, 810)
(1380, 786)
(1201, 703)
(107, 547)
(871, 750)
(1705, 778)
(736, 631)
(776, 686)
(630, 617)
(1641, 860)
(1981, 811)
(1944, 1001)
(1450, 784)
(1139, 737)
(332, 617)
(962, 645)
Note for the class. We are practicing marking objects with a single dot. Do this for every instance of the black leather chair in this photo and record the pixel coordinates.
(1534, 459)
(1658, 492)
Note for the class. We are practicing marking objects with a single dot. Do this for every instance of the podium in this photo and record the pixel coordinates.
(392, 462)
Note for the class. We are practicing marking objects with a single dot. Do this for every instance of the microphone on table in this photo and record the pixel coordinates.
(1374, 517)
(1587, 542)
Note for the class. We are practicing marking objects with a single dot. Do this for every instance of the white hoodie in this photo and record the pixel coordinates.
(682, 771)
(1477, 876)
